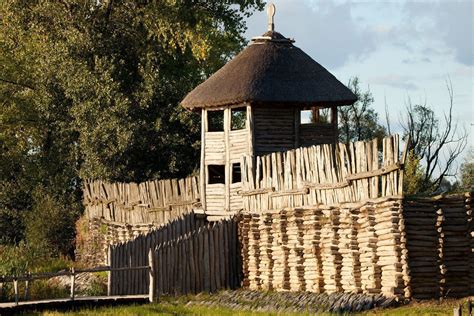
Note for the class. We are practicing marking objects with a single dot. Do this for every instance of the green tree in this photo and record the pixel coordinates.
(91, 89)
(413, 174)
(467, 172)
(359, 121)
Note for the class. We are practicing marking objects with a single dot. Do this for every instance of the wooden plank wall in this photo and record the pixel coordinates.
(154, 202)
(316, 134)
(206, 260)
(440, 246)
(274, 129)
(189, 257)
(353, 247)
(324, 174)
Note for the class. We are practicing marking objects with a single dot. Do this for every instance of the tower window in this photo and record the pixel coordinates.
(215, 121)
(238, 118)
(216, 174)
(315, 115)
(236, 173)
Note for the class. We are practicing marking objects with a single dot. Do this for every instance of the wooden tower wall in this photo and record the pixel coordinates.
(279, 129)
(223, 148)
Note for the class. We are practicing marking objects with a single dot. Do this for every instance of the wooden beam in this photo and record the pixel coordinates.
(227, 127)
(203, 173)
(297, 118)
(373, 173)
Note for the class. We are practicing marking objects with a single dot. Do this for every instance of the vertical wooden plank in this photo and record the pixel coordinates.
(109, 273)
(151, 275)
(221, 255)
(250, 132)
(207, 283)
(227, 127)
(217, 258)
(296, 127)
(334, 122)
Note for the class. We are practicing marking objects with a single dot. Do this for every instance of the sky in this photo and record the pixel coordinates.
(400, 50)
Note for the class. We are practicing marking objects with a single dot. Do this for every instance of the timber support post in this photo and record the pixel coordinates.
(27, 286)
(73, 283)
(15, 288)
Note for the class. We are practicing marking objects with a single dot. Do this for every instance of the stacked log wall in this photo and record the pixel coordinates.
(440, 245)
(343, 248)
(410, 247)
(117, 212)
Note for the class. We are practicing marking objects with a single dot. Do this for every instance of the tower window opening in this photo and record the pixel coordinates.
(215, 121)
(316, 115)
(236, 173)
(216, 174)
(238, 118)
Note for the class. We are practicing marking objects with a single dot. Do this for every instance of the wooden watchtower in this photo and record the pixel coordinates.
(271, 97)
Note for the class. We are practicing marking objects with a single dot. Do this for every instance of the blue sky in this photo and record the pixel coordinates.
(400, 49)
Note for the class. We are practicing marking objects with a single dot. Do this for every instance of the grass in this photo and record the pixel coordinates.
(181, 306)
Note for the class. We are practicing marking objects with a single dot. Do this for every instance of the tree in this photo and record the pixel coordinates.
(413, 174)
(91, 90)
(359, 121)
(436, 145)
(467, 172)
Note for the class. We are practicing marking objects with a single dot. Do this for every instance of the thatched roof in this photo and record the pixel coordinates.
(272, 71)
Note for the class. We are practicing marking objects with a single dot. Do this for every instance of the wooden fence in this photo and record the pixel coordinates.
(155, 201)
(323, 174)
(206, 260)
(190, 257)
(72, 273)
(134, 253)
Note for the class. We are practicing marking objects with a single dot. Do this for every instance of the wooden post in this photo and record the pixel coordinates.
(73, 283)
(151, 290)
(27, 286)
(469, 307)
(109, 273)
(249, 126)
(228, 166)
(203, 171)
(457, 311)
(15, 288)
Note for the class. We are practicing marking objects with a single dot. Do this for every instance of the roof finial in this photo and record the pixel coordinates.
(271, 13)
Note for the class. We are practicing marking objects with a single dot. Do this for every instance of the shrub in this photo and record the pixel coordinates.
(50, 224)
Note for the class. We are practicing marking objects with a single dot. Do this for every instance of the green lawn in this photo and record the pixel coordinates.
(172, 306)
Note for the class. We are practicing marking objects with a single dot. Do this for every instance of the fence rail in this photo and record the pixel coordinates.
(324, 174)
(72, 273)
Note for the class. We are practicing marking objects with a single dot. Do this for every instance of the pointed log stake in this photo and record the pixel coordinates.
(109, 273)
(151, 290)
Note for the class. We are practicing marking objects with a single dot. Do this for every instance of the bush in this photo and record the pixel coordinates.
(50, 225)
